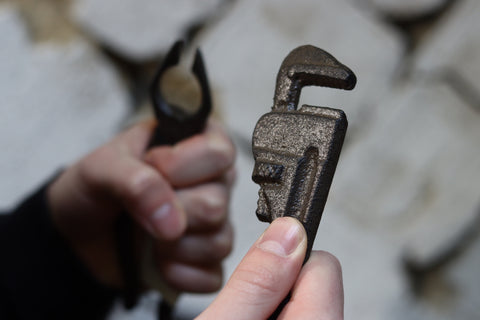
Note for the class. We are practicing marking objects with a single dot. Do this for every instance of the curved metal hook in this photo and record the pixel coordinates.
(175, 123)
(306, 66)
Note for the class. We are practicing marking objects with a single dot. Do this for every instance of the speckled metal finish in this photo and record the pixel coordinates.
(296, 149)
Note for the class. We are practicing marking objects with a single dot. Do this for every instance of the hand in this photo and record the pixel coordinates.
(271, 269)
(178, 194)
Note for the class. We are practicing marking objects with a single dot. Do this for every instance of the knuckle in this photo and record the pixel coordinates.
(205, 250)
(215, 250)
(168, 271)
(256, 281)
(207, 206)
(326, 262)
(230, 177)
(137, 181)
(192, 278)
(91, 169)
(222, 244)
(224, 152)
(215, 206)
(331, 260)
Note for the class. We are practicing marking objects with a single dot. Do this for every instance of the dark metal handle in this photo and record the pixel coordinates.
(172, 127)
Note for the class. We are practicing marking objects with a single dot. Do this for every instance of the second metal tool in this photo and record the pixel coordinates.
(296, 149)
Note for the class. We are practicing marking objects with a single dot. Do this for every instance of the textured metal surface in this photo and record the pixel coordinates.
(296, 149)
(175, 123)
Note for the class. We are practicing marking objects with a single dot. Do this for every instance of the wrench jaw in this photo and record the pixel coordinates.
(199, 70)
(160, 106)
(309, 66)
(296, 150)
(174, 123)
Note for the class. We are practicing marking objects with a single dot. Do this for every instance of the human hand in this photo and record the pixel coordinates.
(271, 269)
(178, 194)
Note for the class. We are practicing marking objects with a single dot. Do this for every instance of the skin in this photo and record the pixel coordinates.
(179, 195)
(273, 267)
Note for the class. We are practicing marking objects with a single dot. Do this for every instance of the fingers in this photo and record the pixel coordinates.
(193, 264)
(193, 279)
(265, 275)
(142, 190)
(194, 160)
(318, 290)
(146, 189)
(171, 191)
(206, 205)
(134, 140)
(198, 249)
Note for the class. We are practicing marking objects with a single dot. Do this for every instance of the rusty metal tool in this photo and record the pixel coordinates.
(296, 149)
(174, 125)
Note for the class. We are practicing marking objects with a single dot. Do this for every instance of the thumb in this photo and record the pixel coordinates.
(265, 275)
(117, 170)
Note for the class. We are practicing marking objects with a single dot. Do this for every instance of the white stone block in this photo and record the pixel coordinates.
(57, 103)
(244, 51)
(463, 275)
(453, 49)
(140, 29)
(417, 175)
(406, 8)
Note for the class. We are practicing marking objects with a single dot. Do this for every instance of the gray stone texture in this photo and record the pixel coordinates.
(415, 180)
(452, 50)
(407, 165)
(58, 102)
(141, 29)
(406, 8)
(245, 49)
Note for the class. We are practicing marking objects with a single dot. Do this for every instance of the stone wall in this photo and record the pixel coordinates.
(403, 211)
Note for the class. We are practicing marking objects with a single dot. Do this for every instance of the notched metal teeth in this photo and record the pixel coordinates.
(264, 172)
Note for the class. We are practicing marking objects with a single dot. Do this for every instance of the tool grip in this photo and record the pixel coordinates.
(174, 126)
(129, 259)
(135, 266)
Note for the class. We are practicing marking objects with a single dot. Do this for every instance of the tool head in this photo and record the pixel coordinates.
(175, 123)
(309, 66)
(296, 149)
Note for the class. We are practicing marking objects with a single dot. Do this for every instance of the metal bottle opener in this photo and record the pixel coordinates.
(296, 149)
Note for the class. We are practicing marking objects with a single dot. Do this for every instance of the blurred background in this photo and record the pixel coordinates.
(404, 208)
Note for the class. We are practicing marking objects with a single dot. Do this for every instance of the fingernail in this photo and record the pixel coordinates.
(167, 222)
(161, 216)
(219, 143)
(282, 237)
